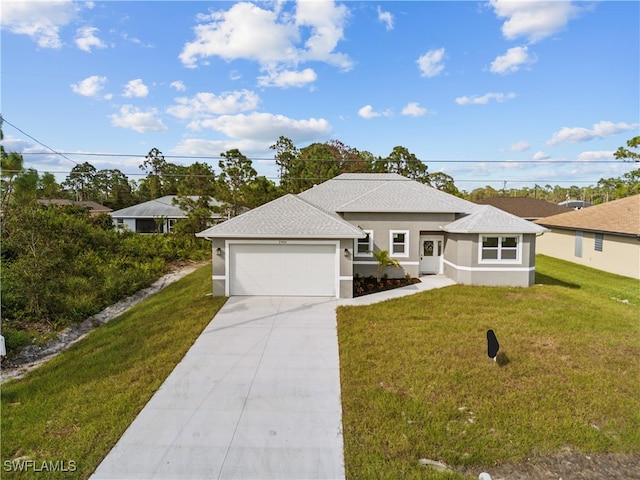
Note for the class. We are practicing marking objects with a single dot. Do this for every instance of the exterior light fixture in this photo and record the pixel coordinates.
(346, 252)
(218, 251)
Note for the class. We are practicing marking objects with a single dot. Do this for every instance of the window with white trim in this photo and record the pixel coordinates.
(500, 248)
(364, 246)
(399, 243)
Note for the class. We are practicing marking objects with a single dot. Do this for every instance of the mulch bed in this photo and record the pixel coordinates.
(365, 286)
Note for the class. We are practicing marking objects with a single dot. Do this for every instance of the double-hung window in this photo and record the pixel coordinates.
(399, 243)
(500, 248)
(364, 246)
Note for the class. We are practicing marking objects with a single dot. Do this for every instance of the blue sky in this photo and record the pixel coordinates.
(486, 91)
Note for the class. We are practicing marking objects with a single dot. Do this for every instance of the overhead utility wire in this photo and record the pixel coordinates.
(4, 120)
(217, 157)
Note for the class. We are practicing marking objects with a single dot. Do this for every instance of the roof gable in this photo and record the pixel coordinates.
(489, 219)
(618, 216)
(288, 216)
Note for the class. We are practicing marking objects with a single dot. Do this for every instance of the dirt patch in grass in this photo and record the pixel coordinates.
(568, 465)
(32, 356)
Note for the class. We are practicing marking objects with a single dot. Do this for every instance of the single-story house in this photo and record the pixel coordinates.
(605, 236)
(528, 208)
(93, 207)
(313, 243)
(154, 216)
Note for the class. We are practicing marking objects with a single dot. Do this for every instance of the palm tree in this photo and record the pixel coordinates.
(384, 260)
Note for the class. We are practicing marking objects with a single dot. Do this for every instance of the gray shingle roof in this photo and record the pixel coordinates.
(488, 219)
(288, 216)
(381, 192)
(160, 207)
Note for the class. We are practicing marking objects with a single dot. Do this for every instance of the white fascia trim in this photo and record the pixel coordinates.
(489, 269)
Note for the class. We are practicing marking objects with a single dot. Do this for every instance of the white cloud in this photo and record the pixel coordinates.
(266, 127)
(270, 37)
(90, 86)
(430, 64)
(138, 120)
(199, 146)
(512, 60)
(288, 78)
(592, 156)
(484, 99)
(541, 156)
(534, 19)
(205, 104)
(580, 134)
(386, 18)
(41, 21)
(414, 109)
(519, 147)
(135, 88)
(178, 85)
(86, 39)
(368, 112)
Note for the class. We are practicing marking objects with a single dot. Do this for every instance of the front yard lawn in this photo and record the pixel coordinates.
(73, 409)
(417, 382)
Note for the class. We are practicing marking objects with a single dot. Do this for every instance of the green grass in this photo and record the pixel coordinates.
(417, 382)
(75, 407)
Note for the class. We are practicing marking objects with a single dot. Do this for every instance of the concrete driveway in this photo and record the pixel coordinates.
(256, 397)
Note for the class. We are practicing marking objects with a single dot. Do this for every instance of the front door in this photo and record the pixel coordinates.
(431, 249)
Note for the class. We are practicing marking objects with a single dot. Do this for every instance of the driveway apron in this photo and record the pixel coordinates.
(256, 397)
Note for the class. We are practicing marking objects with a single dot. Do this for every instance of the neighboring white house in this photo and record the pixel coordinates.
(605, 236)
(313, 243)
(154, 216)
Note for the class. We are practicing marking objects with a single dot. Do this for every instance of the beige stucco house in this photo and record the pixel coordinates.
(605, 236)
(315, 242)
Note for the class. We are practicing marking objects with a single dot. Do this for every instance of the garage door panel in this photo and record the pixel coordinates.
(282, 269)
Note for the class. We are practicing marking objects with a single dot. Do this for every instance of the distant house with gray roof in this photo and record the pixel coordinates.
(155, 216)
(314, 243)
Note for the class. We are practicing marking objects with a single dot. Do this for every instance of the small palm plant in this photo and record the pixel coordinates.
(384, 260)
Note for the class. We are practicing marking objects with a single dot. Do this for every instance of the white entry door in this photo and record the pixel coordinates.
(431, 250)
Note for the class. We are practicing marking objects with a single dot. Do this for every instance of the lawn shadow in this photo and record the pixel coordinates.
(543, 279)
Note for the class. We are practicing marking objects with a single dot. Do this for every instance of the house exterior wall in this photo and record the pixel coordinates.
(462, 262)
(382, 224)
(620, 254)
(219, 274)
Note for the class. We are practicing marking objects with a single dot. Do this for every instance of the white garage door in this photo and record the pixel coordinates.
(302, 269)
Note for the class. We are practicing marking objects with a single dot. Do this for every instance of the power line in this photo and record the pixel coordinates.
(4, 120)
(344, 160)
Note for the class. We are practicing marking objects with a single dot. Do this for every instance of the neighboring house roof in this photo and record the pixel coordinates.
(525, 207)
(288, 216)
(94, 207)
(621, 217)
(160, 207)
(489, 219)
(575, 204)
(381, 192)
